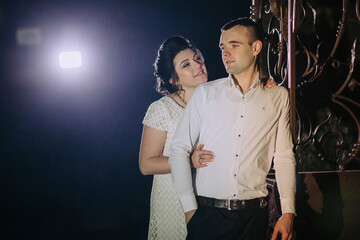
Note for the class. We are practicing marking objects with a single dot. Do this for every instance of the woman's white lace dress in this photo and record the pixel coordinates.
(167, 220)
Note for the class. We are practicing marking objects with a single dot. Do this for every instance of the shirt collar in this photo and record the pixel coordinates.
(255, 84)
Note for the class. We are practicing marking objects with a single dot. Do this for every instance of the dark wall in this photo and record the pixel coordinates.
(69, 139)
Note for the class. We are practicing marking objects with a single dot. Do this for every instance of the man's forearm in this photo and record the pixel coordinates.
(185, 136)
(182, 181)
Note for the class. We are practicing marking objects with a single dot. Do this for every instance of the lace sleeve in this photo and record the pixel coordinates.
(156, 116)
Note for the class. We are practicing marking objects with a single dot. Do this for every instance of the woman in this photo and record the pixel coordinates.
(179, 69)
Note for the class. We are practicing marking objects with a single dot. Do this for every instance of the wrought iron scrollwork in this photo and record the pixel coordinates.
(327, 76)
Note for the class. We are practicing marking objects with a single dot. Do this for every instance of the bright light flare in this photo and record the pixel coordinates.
(70, 59)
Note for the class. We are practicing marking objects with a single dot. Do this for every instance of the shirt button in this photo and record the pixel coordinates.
(234, 175)
(239, 135)
(234, 195)
(236, 155)
(241, 116)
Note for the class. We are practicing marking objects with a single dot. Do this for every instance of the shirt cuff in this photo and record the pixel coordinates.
(188, 203)
(288, 206)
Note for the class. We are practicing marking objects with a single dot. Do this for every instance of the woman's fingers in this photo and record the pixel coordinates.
(206, 153)
(200, 147)
(205, 157)
(200, 158)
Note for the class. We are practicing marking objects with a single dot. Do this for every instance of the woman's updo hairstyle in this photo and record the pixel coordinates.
(164, 63)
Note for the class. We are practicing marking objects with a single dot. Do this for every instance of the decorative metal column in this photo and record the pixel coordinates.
(291, 63)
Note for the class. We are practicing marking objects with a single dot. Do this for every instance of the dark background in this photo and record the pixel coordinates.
(70, 138)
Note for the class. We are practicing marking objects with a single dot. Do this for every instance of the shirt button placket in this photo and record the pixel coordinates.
(239, 139)
(239, 135)
(238, 152)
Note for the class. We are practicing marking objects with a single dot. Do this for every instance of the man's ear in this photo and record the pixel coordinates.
(257, 46)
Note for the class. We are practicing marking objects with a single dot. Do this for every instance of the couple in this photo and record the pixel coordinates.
(245, 127)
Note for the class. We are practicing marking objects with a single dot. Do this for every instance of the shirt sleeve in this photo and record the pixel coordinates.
(156, 116)
(284, 159)
(185, 137)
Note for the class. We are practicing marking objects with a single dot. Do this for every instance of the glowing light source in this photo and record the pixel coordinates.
(70, 59)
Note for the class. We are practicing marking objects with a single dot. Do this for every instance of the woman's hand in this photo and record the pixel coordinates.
(268, 83)
(201, 158)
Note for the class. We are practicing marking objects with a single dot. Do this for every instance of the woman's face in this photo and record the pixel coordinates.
(190, 69)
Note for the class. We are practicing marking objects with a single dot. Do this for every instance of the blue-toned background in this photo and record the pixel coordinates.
(70, 138)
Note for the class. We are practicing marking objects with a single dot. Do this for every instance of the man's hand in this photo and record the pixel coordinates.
(284, 226)
(188, 215)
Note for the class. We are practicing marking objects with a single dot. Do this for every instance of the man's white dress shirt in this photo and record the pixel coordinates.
(245, 132)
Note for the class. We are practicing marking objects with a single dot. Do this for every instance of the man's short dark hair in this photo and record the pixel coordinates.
(248, 23)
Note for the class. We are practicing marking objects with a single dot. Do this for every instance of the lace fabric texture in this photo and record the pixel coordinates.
(167, 220)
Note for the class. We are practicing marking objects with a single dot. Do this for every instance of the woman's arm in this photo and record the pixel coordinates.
(151, 160)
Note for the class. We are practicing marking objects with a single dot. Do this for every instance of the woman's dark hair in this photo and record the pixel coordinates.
(164, 63)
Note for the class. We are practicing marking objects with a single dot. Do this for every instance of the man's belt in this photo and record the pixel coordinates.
(232, 204)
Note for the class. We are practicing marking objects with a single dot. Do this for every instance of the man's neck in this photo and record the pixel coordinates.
(245, 80)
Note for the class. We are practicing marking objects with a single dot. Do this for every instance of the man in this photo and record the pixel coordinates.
(246, 127)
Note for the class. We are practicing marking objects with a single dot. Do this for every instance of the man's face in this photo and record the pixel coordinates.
(238, 50)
